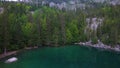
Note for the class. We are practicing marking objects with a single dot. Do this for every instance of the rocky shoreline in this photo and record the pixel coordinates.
(8, 54)
(15, 52)
(100, 45)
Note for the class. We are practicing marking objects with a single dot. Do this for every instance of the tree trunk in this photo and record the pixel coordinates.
(63, 29)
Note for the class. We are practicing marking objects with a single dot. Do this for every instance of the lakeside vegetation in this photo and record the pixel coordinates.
(22, 27)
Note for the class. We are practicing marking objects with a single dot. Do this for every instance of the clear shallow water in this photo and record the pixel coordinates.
(65, 57)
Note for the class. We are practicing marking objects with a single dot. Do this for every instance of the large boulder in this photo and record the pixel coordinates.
(10, 60)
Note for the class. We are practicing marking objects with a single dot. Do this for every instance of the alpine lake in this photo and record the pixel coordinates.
(70, 56)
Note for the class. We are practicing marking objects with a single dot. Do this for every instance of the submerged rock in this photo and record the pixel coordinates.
(10, 60)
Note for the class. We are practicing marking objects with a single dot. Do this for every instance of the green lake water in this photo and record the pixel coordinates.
(65, 57)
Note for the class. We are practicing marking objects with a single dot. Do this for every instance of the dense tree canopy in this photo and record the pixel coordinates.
(20, 27)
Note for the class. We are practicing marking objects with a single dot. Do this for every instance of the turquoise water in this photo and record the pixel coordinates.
(65, 57)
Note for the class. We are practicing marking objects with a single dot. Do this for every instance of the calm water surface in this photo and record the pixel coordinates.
(65, 57)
